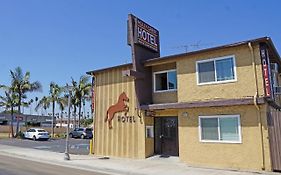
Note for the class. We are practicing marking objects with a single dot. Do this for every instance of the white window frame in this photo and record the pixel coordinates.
(215, 59)
(151, 129)
(220, 141)
(160, 72)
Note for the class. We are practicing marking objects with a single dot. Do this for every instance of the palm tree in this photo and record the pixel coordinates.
(21, 85)
(9, 101)
(55, 97)
(44, 103)
(82, 91)
(62, 102)
(36, 102)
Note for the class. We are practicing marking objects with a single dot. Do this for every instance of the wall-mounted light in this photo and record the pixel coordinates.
(150, 113)
(184, 114)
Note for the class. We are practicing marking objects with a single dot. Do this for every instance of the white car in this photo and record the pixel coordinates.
(36, 134)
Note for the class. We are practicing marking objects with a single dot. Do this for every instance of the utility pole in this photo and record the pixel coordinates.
(66, 153)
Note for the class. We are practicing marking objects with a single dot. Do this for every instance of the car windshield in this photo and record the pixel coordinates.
(41, 130)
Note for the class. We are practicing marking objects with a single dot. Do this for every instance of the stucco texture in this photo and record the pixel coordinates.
(189, 90)
(245, 155)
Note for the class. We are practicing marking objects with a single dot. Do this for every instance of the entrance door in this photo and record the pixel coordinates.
(166, 136)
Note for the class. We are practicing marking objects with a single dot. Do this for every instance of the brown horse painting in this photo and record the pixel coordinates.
(120, 106)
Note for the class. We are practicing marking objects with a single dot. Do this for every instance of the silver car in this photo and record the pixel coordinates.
(81, 133)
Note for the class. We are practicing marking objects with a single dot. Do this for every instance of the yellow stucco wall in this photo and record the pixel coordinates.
(188, 90)
(125, 139)
(245, 155)
(149, 142)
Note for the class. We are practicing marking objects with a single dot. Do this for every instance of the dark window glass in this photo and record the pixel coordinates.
(225, 69)
(220, 129)
(161, 81)
(166, 81)
(209, 129)
(206, 72)
(229, 129)
(41, 130)
(172, 80)
(216, 70)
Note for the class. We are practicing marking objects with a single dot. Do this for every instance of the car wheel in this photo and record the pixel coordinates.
(71, 135)
(82, 136)
(34, 138)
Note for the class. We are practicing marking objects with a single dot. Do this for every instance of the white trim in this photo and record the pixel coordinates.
(220, 141)
(215, 59)
(165, 71)
(151, 129)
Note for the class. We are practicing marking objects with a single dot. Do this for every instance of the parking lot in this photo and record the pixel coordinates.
(76, 146)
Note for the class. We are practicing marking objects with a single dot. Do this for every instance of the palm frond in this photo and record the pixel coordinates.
(44, 102)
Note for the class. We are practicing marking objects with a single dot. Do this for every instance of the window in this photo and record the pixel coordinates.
(223, 128)
(216, 70)
(165, 81)
(149, 132)
(41, 130)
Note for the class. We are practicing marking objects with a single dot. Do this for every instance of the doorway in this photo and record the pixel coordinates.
(166, 136)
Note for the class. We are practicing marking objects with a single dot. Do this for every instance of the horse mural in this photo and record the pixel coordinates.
(120, 106)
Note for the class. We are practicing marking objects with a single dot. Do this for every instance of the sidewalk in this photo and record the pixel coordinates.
(117, 166)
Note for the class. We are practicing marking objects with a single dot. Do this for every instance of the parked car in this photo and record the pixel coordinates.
(36, 134)
(81, 133)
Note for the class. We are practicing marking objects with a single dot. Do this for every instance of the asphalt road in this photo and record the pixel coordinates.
(16, 166)
(76, 146)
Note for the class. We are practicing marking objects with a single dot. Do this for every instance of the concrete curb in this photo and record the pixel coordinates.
(113, 166)
(67, 164)
(70, 164)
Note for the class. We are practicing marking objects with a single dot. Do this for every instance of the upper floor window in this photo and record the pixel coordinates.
(216, 70)
(165, 80)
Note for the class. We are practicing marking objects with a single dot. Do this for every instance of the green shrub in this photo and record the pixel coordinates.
(20, 135)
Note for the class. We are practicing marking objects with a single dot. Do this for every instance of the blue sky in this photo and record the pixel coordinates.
(56, 40)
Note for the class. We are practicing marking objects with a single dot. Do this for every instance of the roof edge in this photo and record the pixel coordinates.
(202, 104)
(154, 61)
(108, 68)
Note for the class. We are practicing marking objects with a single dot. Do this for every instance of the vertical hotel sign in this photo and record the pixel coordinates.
(266, 70)
(145, 34)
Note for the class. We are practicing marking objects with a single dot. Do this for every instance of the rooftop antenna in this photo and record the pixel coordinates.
(191, 47)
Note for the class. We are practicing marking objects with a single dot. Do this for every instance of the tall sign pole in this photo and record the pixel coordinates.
(144, 42)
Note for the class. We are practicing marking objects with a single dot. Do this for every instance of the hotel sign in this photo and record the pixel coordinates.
(266, 70)
(144, 34)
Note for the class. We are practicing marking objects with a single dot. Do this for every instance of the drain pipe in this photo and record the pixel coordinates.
(256, 103)
(94, 88)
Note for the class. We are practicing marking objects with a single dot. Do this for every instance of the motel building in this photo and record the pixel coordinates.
(216, 107)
